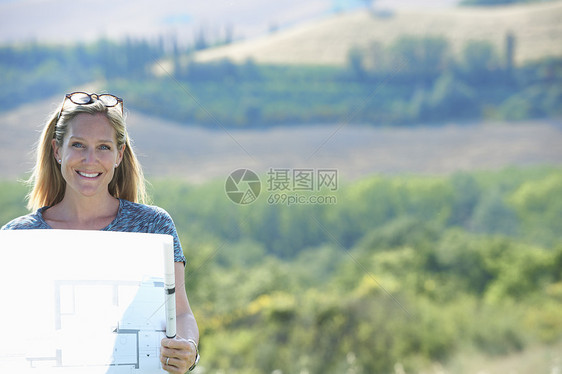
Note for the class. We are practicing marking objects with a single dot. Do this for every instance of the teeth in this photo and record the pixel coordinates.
(88, 175)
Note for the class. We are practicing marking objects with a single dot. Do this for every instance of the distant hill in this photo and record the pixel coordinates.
(536, 27)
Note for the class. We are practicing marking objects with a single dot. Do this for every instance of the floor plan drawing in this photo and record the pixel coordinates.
(106, 316)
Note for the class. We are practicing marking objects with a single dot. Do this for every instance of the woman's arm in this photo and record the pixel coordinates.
(178, 355)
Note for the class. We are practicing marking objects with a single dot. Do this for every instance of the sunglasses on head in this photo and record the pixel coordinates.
(83, 98)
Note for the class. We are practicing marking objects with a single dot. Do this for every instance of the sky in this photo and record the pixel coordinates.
(62, 21)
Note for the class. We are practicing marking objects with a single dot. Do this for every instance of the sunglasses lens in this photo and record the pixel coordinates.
(108, 100)
(80, 98)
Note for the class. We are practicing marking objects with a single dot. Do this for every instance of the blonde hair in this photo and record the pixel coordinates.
(48, 184)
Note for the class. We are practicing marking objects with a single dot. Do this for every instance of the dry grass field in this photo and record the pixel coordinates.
(167, 149)
(536, 27)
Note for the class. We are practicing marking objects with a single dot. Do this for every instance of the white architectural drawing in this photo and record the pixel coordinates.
(81, 301)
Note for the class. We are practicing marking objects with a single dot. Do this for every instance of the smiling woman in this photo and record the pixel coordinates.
(87, 177)
(88, 156)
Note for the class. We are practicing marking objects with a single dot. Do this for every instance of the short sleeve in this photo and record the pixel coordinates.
(163, 224)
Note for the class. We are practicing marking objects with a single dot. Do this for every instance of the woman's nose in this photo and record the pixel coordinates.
(90, 156)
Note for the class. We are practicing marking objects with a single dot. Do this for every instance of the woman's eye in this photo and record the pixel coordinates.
(77, 145)
(105, 147)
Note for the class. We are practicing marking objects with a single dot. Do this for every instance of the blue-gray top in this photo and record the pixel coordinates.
(131, 217)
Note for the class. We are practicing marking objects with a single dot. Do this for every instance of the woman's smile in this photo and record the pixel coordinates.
(88, 175)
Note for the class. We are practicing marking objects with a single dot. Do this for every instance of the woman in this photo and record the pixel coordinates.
(87, 177)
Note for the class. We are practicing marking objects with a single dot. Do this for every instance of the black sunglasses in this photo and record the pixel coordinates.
(83, 98)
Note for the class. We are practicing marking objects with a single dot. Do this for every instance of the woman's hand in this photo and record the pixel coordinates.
(177, 355)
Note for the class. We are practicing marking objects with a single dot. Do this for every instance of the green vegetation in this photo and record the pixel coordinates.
(403, 270)
(414, 80)
(33, 72)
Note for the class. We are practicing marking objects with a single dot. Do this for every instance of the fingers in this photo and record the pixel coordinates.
(173, 364)
(176, 343)
(176, 355)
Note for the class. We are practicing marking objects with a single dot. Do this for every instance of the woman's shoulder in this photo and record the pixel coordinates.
(140, 217)
(28, 222)
(141, 210)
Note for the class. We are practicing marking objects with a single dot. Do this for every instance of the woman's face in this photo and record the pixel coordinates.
(89, 153)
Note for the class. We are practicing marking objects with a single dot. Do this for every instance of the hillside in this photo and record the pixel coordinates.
(537, 29)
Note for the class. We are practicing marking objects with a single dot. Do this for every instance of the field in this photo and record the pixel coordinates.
(197, 155)
(537, 29)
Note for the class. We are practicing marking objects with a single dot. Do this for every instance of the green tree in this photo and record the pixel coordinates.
(466, 196)
(452, 97)
(493, 216)
(538, 204)
(480, 64)
(422, 58)
(355, 62)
